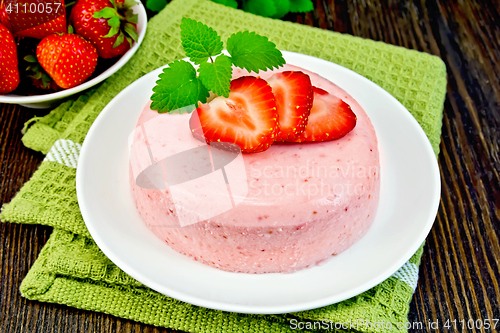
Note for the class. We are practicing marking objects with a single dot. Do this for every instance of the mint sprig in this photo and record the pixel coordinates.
(181, 84)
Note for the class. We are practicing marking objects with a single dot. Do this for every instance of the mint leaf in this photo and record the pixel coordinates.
(177, 87)
(282, 8)
(229, 3)
(156, 5)
(301, 6)
(253, 52)
(265, 8)
(199, 41)
(216, 76)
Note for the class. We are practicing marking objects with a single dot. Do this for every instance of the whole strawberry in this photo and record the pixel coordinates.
(110, 26)
(68, 59)
(9, 72)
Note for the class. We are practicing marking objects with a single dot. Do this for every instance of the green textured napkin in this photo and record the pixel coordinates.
(72, 270)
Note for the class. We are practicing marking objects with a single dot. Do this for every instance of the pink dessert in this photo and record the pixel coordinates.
(306, 202)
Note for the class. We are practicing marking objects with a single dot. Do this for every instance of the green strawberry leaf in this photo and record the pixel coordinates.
(253, 52)
(265, 8)
(119, 40)
(199, 41)
(31, 58)
(131, 17)
(301, 6)
(106, 12)
(37, 75)
(130, 3)
(177, 87)
(131, 31)
(216, 76)
(46, 80)
(114, 22)
(112, 32)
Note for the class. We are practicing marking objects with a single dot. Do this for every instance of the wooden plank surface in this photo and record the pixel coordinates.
(459, 276)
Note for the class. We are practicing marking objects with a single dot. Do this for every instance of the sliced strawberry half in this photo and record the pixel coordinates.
(247, 117)
(331, 118)
(294, 99)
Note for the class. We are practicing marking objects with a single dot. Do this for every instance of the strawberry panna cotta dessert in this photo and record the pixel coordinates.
(308, 150)
(85, 39)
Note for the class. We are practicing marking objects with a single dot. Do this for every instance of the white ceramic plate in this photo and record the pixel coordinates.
(49, 100)
(410, 192)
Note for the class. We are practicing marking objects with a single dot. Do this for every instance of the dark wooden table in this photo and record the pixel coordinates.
(461, 264)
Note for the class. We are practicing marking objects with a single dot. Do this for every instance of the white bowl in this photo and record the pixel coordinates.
(50, 100)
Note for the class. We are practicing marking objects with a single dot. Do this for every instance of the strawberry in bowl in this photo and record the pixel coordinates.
(9, 73)
(43, 85)
(110, 26)
(69, 59)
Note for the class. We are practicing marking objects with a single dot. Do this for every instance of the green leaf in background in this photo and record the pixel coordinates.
(177, 87)
(265, 8)
(156, 5)
(301, 6)
(253, 52)
(229, 3)
(199, 41)
(282, 8)
(216, 76)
